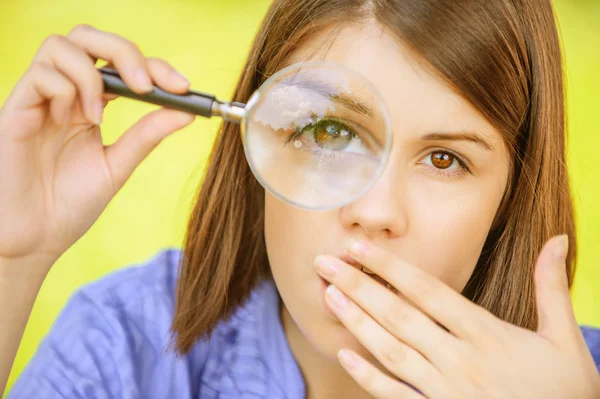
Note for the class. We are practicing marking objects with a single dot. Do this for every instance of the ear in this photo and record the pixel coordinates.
(555, 309)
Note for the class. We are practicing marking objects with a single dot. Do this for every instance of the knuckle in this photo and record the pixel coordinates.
(396, 316)
(158, 65)
(54, 40)
(66, 90)
(127, 48)
(454, 355)
(157, 61)
(37, 67)
(154, 62)
(427, 294)
(473, 329)
(69, 90)
(487, 340)
(473, 374)
(483, 326)
(91, 79)
(80, 29)
(420, 370)
(394, 358)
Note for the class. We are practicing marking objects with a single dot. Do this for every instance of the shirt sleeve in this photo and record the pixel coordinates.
(592, 339)
(85, 355)
(113, 340)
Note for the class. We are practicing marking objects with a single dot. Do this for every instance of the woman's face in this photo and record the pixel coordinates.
(433, 214)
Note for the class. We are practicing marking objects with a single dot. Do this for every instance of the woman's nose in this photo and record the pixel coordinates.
(382, 210)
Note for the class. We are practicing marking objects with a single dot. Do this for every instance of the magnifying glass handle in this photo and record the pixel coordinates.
(193, 102)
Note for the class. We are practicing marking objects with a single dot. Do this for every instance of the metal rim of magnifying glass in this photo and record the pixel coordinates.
(254, 99)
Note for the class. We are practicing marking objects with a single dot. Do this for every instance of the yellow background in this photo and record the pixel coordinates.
(208, 41)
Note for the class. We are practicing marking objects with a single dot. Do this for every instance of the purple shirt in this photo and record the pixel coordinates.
(110, 342)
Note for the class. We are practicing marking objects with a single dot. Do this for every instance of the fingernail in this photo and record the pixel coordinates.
(97, 111)
(358, 248)
(340, 301)
(348, 359)
(561, 248)
(143, 80)
(326, 267)
(183, 81)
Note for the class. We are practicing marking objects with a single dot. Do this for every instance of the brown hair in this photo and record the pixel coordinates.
(503, 56)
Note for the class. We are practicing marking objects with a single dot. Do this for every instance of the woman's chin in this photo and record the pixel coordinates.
(333, 336)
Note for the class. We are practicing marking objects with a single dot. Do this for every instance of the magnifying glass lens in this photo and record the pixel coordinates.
(316, 135)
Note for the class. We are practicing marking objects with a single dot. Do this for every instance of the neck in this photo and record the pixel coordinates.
(323, 376)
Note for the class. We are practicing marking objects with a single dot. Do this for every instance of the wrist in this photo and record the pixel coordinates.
(28, 269)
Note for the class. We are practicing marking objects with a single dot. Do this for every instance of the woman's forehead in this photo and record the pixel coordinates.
(417, 98)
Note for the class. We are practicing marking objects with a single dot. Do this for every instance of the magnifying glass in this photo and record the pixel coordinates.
(316, 134)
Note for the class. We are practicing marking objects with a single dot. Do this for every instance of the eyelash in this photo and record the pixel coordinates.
(463, 169)
(297, 133)
(462, 165)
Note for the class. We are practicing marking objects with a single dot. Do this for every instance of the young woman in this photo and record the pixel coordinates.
(469, 229)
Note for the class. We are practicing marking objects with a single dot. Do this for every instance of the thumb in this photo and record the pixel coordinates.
(555, 310)
(135, 144)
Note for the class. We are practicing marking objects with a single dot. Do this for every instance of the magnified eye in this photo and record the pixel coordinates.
(329, 134)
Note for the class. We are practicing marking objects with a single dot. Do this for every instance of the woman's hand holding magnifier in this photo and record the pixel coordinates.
(56, 176)
(476, 355)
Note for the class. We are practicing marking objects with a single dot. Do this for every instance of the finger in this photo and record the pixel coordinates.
(400, 359)
(556, 318)
(77, 67)
(453, 311)
(58, 89)
(42, 83)
(109, 97)
(396, 315)
(133, 146)
(124, 54)
(373, 380)
(161, 72)
(166, 77)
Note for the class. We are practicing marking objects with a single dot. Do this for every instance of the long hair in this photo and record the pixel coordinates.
(504, 57)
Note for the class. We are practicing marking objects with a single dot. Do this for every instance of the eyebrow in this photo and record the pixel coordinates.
(459, 136)
(326, 90)
(352, 104)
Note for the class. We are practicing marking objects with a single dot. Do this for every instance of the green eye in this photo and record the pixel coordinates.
(330, 133)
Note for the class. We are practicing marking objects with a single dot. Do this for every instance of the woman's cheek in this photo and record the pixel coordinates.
(448, 233)
(290, 237)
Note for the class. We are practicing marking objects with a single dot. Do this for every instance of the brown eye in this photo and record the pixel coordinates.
(442, 160)
(331, 133)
